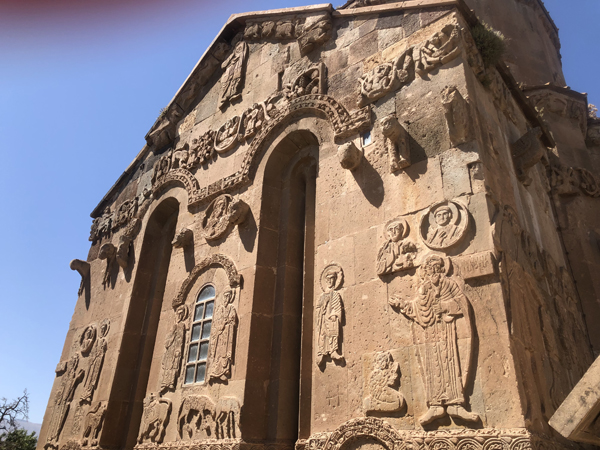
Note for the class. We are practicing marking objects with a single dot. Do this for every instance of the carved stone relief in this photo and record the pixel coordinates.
(124, 214)
(329, 315)
(386, 78)
(278, 107)
(228, 136)
(253, 120)
(222, 338)
(475, 265)
(526, 153)
(94, 420)
(164, 130)
(310, 81)
(444, 224)
(438, 305)
(83, 268)
(396, 143)
(458, 118)
(95, 362)
(381, 393)
(310, 32)
(349, 155)
(87, 339)
(441, 48)
(171, 362)
(196, 419)
(101, 226)
(154, 419)
(397, 253)
(593, 133)
(221, 215)
(183, 238)
(125, 241)
(201, 418)
(71, 377)
(109, 253)
(547, 101)
(233, 78)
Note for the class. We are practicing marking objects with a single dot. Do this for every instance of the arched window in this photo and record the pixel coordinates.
(195, 370)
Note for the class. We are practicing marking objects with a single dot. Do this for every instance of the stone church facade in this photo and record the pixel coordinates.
(347, 230)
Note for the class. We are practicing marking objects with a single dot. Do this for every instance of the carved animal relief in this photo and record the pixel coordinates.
(381, 385)
(154, 419)
(201, 418)
(396, 143)
(438, 304)
(385, 78)
(329, 314)
(444, 225)
(94, 420)
(397, 253)
(221, 215)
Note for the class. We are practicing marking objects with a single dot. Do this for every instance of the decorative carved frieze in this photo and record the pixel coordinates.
(310, 32)
(232, 79)
(444, 224)
(157, 411)
(216, 260)
(278, 108)
(385, 78)
(381, 385)
(228, 136)
(526, 153)
(441, 48)
(221, 215)
(438, 305)
(329, 312)
(171, 361)
(397, 253)
(566, 181)
(396, 143)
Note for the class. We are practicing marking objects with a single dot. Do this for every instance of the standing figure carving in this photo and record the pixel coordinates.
(63, 398)
(171, 362)
(96, 360)
(444, 224)
(222, 338)
(439, 303)
(396, 253)
(381, 385)
(329, 310)
(234, 66)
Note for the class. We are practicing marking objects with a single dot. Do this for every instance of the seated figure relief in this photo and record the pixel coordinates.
(221, 215)
(397, 253)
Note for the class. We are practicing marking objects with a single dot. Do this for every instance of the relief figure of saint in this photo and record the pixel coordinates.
(444, 230)
(231, 81)
(396, 254)
(439, 303)
(222, 338)
(173, 351)
(329, 315)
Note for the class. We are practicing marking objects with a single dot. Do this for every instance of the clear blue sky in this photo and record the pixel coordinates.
(80, 85)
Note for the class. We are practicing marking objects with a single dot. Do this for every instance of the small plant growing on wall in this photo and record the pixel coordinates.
(490, 43)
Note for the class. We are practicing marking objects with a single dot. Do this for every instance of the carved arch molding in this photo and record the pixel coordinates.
(344, 124)
(216, 260)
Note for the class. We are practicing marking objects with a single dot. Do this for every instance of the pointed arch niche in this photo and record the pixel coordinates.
(277, 403)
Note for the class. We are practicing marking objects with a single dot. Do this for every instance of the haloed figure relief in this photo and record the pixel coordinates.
(222, 338)
(439, 303)
(171, 362)
(397, 253)
(329, 312)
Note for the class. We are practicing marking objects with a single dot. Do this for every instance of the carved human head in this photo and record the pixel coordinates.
(228, 296)
(434, 265)
(443, 216)
(181, 313)
(383, 360)
(331, 278)
(220, 206)
(395, 231)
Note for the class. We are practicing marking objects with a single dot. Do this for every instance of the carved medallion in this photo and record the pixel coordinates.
(88, 337)
(329, 311)
(222, 213)
(444, 224)
(397, 253)
(228, 136)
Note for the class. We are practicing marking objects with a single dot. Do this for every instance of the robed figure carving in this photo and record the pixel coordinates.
(396, 253)
(329, 312)
(96, 360)
(439, 304)
(231, 82)
(174, 341)
(222, 338)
